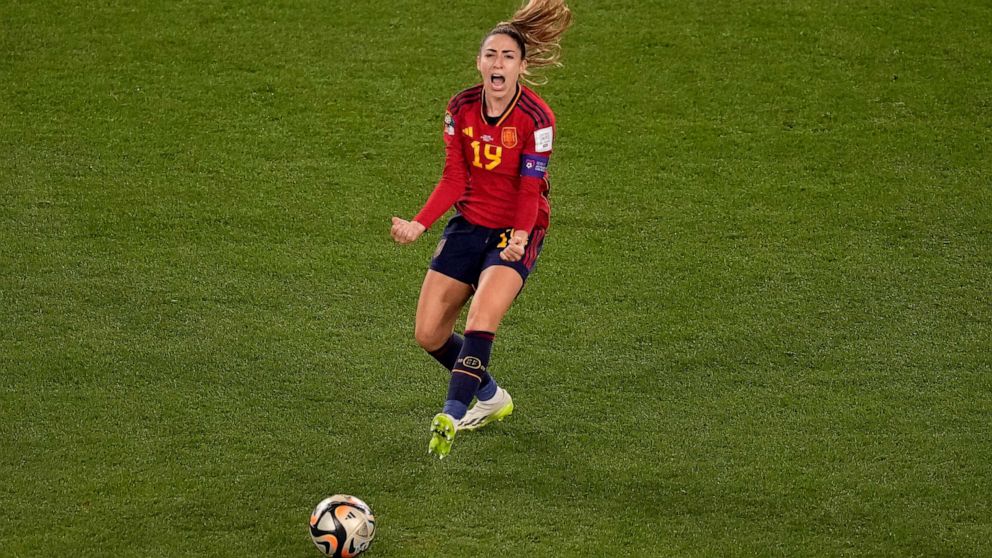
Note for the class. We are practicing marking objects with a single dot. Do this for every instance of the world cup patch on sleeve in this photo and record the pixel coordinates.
(449, 124)
(535, 166)
(542, 139)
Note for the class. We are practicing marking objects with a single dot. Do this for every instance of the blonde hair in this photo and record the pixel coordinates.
(537, 28)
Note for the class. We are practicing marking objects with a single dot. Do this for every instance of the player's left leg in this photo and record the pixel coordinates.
(499, 284)
(494, 403)
(498, 288)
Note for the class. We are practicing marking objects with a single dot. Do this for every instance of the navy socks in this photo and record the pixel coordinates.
(469, 373)
(447, 355)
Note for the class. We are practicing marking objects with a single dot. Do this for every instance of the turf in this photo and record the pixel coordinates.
(760, 326)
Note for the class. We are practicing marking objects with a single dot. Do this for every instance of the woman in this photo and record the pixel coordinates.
(498, 137)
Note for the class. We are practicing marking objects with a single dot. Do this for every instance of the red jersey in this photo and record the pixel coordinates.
(495, 169)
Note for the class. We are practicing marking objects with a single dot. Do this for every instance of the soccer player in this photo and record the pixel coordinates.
(498, 138)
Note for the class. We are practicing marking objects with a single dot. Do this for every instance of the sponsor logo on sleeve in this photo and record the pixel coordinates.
(449, 124)
(542, 139)
(535, 166)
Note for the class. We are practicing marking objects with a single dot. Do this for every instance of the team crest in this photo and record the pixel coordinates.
(509, 137)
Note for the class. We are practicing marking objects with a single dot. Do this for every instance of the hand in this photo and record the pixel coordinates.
(514, 250)
(405, 232)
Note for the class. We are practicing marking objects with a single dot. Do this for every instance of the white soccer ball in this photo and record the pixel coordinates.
(342, 526)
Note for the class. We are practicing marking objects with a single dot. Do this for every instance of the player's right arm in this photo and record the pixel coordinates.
(454, 181)
(454, 178)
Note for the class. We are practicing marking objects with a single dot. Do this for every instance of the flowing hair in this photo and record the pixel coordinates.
(537, 28)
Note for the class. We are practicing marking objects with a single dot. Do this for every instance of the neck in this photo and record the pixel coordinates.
(497, 103)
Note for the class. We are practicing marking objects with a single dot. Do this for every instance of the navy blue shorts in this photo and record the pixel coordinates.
(466, 249)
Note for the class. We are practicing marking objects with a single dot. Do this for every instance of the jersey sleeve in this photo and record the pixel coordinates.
(533, 172)
(454, 177)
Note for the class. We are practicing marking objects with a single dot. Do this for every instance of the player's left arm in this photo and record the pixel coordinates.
(534, 161)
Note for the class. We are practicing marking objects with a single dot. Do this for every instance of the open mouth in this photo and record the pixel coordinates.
(497, 79)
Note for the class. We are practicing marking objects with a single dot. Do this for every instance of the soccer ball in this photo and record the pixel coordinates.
(342, 526)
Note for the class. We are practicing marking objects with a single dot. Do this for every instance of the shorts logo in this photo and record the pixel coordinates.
(440, 246)
(472, 362)
(509, 137)
(449, 124)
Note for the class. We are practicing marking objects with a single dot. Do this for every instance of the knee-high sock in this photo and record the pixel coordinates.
(447, 355)
(468, 372)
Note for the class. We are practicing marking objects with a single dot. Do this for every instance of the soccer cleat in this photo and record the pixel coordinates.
(442, 435)
(484, 412)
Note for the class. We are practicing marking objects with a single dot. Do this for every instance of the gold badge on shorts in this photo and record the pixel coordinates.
(440, 247)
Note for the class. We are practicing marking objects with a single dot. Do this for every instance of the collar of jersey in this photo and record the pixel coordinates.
(506, 112)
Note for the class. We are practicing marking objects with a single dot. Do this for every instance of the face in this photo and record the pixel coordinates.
(500, 64)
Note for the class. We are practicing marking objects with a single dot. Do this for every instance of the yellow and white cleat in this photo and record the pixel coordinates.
(484, 412)
(442, 435)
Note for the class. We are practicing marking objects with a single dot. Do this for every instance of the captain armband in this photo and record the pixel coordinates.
(534, 166)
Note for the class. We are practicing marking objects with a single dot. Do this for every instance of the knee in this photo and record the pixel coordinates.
(482, 321)
(487, 312)
(430, 339)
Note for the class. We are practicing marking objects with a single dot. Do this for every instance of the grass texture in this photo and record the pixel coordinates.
(760, 325)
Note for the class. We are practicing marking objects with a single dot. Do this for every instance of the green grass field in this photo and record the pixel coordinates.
(760, 325)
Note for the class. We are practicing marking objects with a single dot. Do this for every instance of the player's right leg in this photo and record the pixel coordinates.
(441, 301)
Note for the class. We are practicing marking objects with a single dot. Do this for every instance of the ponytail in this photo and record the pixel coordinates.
(537, 28)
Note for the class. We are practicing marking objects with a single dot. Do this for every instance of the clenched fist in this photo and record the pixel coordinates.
(405, 232)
